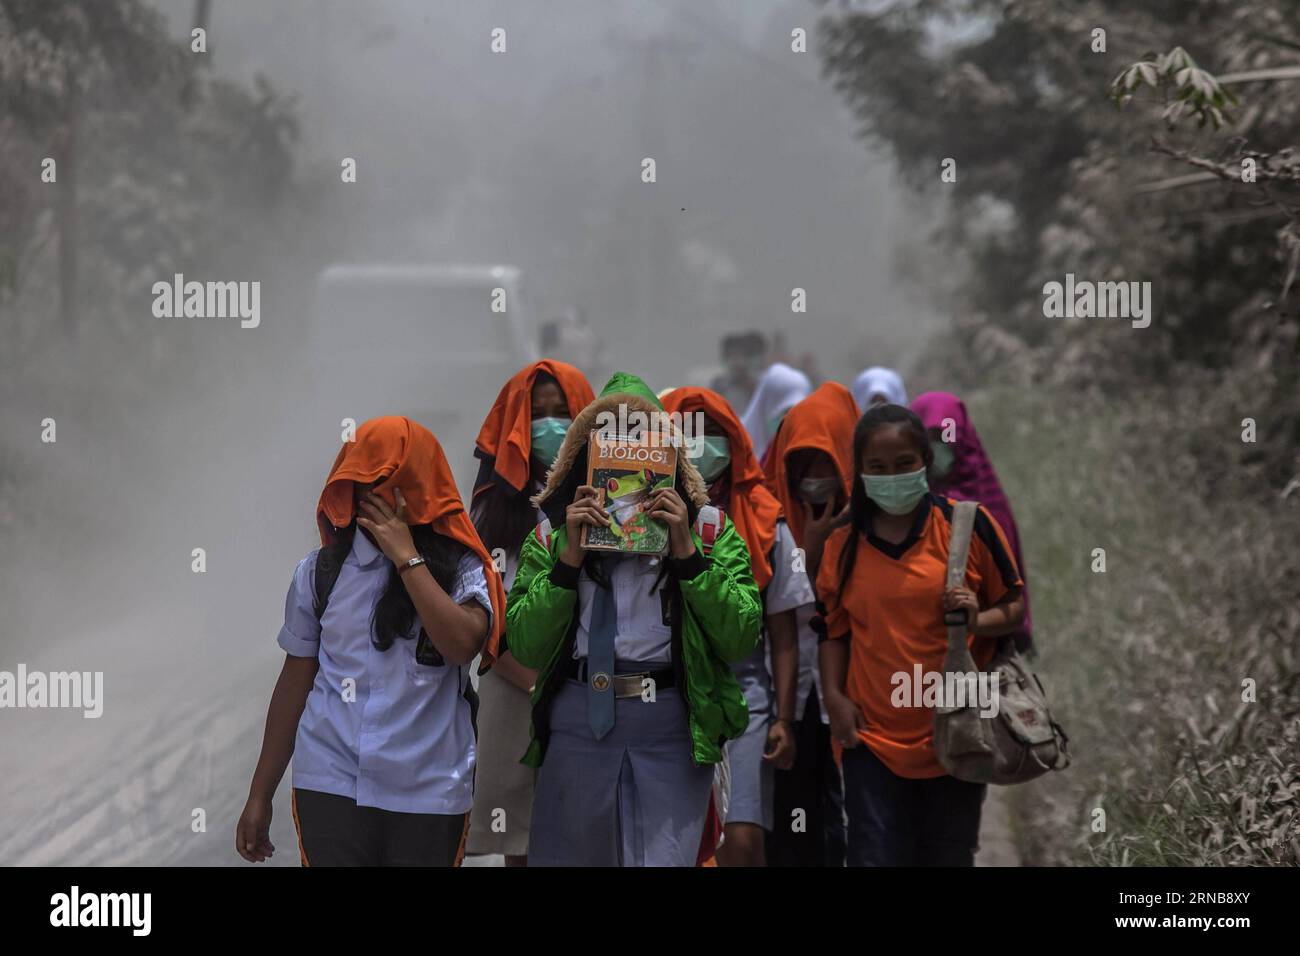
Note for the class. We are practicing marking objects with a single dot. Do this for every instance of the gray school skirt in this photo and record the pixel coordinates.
(752, 778)
(635, 798)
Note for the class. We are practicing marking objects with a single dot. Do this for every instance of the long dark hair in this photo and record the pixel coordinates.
(861, 508)
(395, 614)
(502, 516)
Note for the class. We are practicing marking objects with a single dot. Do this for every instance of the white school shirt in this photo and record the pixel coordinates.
(810, 674)
(644, 633)
(404, 742)
(790, 589)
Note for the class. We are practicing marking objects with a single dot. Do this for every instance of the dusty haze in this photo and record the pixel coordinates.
(531, 158)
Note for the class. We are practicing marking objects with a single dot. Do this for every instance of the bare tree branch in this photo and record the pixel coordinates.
(1260, 76)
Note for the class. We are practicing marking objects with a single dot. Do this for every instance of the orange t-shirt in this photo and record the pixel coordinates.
(892, 611)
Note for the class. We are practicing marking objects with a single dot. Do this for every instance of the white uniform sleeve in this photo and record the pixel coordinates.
(471, 584)
(300, 633)
(788, 588)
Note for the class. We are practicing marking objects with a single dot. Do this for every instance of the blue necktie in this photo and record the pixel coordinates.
(600, 662)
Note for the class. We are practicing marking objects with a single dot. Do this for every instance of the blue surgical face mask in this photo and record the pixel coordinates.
(896, 494)
(714, 457)
(547, 436)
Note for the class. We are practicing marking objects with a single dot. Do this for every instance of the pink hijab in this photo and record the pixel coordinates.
(972, 477)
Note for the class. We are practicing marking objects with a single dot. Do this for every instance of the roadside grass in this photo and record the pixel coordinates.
(1147, 664)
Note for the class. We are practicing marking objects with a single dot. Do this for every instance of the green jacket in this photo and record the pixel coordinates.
(717, 619)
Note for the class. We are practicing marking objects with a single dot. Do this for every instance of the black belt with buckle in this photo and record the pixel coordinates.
(625, 685)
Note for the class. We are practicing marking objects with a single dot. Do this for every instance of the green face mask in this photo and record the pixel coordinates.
(547, 436)
(896, 494)
(714, 457)
(941, 467)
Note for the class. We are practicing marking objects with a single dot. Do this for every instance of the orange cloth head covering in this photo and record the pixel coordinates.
(823, 421)
(408, 456)
(751, 508)
(506, 437)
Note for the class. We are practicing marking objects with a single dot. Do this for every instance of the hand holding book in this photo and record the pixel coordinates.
(666, 505)
(630, 476)
(585, 511)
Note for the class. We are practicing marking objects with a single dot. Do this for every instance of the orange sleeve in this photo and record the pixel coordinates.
(993, 560)
(828, 586)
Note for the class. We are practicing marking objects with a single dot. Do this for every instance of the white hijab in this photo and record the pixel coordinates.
(779, 389)
(878, 381)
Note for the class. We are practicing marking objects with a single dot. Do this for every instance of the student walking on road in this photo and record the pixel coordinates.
(625, 775)
(736, 488)
(373, 702)
(809, 470)
(883, 582)
(779, 389)
(963, 470)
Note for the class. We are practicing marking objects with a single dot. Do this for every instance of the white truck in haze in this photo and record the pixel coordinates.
(432, 342)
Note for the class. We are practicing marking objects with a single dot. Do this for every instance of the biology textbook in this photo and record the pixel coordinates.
(626, 472)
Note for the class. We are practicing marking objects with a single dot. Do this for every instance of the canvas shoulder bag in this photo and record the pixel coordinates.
(1020, 741)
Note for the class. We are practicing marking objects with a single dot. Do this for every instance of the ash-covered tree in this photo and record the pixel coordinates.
(157, 164)
(1052, 178)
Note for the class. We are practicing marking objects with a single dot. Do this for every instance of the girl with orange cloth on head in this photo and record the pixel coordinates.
(808, 471)
(374, 702)
(726, 462)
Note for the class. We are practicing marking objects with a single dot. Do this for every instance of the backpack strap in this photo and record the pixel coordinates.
(329, 562)
(708, 524)
(543, 533)
(963, 523)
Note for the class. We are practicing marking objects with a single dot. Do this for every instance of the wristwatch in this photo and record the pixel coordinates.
(415, 562)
